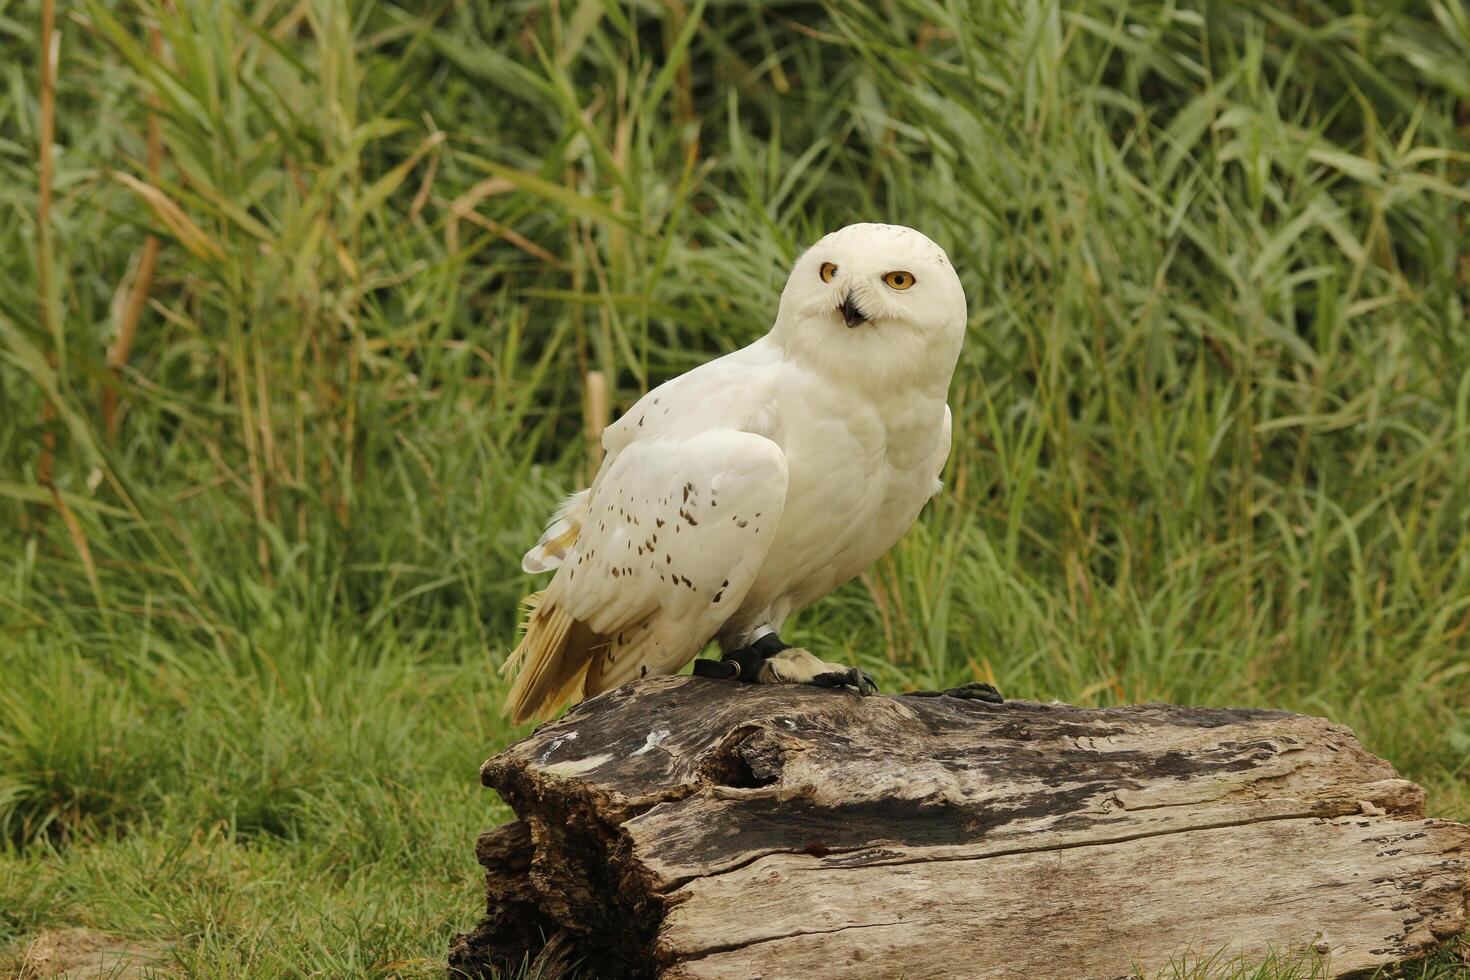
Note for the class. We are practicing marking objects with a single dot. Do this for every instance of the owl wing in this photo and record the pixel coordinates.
(673, 534)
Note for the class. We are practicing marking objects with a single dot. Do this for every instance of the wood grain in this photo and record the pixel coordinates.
(687, 828)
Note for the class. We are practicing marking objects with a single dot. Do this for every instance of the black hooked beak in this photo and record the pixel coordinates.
(851, 314)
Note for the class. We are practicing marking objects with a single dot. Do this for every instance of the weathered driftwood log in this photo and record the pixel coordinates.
(693, 828)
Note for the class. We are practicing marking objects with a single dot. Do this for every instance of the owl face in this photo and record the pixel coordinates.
(867, 276)
(874, 291)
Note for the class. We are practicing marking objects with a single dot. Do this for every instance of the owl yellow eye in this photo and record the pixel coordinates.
(828, 271)
(899, 280)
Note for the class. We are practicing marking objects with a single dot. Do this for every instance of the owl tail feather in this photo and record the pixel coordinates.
(550, 662)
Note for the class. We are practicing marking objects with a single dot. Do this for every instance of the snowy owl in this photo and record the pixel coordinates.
(755, 484)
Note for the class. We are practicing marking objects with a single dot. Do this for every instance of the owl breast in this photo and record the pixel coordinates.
(858, 479)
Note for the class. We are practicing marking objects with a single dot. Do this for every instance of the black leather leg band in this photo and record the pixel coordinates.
(768, 646)
(743, 664)
(748, 660)
(724, 670)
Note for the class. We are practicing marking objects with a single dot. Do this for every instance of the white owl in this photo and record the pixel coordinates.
(755, 484)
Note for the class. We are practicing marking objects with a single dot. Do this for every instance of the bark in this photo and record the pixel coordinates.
(685, 828)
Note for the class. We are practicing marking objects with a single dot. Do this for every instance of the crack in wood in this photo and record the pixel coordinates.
(715, 950)
(985, 855)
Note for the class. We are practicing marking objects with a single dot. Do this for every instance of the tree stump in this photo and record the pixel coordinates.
(684, 828)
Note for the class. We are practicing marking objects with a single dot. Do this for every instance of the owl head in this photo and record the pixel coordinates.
(877, 300)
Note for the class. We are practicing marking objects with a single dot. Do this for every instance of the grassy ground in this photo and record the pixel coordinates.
(266, 480)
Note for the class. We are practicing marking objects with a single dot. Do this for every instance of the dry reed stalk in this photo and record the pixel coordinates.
(875, 590)
(270, 454)
(467, 202)
(50, 49)
(79, 541)
(50, 54)
(137, 299)
(426, 185)
(289, 23)
(597, 413)
(252, 452)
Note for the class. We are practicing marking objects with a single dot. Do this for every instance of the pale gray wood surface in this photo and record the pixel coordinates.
(692, 828)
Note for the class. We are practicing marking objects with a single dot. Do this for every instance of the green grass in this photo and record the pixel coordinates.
(1212, 426)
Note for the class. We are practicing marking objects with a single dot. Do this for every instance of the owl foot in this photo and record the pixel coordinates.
(974, 691)
(797, 666)
(770, 661)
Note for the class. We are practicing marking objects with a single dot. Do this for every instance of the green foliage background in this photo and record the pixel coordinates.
(1212, 435)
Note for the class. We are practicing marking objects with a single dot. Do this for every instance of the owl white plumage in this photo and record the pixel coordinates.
(755, 484)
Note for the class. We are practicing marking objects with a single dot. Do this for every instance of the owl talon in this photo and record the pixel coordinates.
(854, 677)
